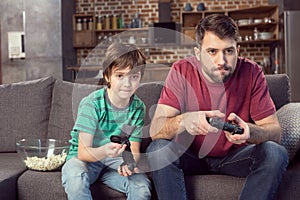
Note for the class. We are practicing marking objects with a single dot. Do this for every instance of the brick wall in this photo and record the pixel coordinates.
(148, 10)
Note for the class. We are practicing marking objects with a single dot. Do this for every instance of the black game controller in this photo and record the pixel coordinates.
(123, 138)
(226, 126)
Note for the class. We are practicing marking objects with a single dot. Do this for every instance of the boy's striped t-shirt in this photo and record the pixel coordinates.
(97, 116)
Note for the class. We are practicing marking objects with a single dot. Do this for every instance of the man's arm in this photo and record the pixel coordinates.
(167, 122)
(265, 130)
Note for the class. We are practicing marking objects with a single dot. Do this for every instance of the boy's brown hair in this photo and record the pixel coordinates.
(120, 56)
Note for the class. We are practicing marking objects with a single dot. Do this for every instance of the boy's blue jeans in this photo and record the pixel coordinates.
(263, 165)
(77, 176)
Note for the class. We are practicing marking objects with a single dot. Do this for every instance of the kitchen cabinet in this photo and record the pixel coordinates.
(263, 19)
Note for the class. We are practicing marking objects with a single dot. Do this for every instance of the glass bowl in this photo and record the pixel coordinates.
(43, 154)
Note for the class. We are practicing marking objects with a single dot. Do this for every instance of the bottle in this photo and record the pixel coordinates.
(107, 22)
(90, 23)
(120, 21)
(84, 24)
(99, 23)
(136, 21)
(78, 24)
(114, 22)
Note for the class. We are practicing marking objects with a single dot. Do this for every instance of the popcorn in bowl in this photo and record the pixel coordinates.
(43, 154)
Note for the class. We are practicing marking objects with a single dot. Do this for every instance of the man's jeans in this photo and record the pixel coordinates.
(77, 176)
(263, 165)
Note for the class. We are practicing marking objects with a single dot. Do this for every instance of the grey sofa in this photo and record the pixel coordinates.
(46, 108)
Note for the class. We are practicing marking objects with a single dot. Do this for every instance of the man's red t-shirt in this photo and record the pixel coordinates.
(245, 93)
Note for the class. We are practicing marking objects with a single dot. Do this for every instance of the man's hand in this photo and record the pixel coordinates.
(238, 138)
(196, 124)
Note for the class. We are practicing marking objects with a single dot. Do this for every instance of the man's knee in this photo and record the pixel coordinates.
(274, 153)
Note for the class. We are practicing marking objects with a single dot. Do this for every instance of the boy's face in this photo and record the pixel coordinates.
(218, 57)
(123, 84)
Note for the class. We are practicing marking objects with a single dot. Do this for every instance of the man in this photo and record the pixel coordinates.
(216, 83)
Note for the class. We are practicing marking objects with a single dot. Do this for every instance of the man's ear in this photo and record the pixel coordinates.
(197, 52)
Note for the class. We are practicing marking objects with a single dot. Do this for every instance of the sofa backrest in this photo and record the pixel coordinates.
(279, 88)
(24, 111)
(48, 107)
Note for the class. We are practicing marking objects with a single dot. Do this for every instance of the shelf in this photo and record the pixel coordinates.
(270, 41)
(121, 30)
(189, 19)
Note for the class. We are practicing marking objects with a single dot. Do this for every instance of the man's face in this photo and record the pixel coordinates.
(218, 57)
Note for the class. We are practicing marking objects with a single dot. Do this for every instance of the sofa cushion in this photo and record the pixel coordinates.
(25, 108)
(41, 185)
(11, 168)
(65, 101)
(149, 93)
(289, 119)
(279, 88)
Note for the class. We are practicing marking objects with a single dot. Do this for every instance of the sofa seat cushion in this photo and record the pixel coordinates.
(48, 185)
(32, 181)
(11, 168)
(25, 108)
(221, 187)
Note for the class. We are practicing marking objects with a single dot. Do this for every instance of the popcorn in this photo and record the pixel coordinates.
(46, 163)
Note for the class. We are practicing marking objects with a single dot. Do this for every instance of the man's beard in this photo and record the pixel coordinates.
(218, 78)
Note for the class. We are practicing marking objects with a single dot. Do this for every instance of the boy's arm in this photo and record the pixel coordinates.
(135, 149)
(89, 154)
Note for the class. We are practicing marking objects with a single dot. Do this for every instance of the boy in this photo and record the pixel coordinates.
(102, 114)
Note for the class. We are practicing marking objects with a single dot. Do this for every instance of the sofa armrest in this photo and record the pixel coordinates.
(289, 119)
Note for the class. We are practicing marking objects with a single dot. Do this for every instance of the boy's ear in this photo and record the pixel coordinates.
(106, 78)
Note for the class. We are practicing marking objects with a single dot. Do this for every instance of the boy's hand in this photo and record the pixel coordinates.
(114, 149)
(123, 170)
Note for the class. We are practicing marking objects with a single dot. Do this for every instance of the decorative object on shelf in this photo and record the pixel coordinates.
(201, 7)
(136, 21)
(188, 7)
